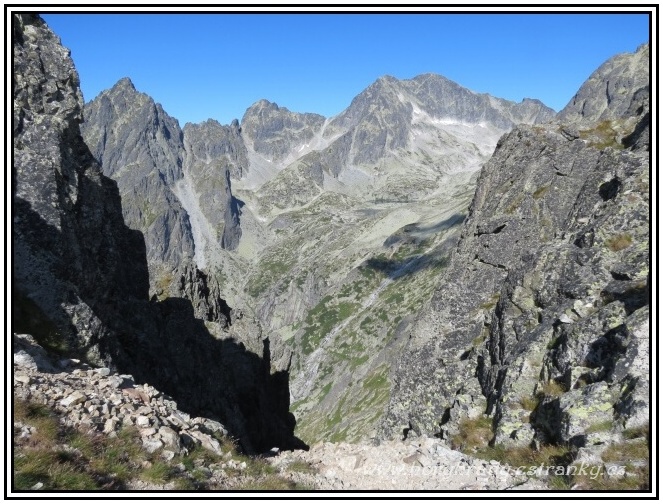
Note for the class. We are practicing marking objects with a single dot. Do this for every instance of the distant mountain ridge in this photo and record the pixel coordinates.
(165, 172)
(383, 117)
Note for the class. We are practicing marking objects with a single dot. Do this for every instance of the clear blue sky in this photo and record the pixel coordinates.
(216, 65)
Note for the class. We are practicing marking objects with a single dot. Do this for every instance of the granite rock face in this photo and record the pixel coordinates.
(80, 279)
(72, 250)
(539, 319)
(164, 174)
(139, 146)
(617, 88)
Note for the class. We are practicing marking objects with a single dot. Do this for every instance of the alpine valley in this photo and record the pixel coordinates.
(431, 266)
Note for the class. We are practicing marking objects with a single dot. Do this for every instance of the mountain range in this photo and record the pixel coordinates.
(428, 258)
(281, 194)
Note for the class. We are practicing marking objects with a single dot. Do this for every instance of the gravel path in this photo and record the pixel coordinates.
(422, 464)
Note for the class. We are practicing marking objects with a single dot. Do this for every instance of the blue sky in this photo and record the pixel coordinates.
(201, 66)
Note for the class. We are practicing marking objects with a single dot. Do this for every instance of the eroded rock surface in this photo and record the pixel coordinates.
(538, 320)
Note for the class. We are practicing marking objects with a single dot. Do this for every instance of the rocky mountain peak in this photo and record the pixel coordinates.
(261, 105)
(532, 101)
(124, 84)
(610, 90)
(163, 172)
(139, 145)
(272, 131)
(384, 82)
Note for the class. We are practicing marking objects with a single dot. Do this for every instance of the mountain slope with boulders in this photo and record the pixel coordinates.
(541, 321)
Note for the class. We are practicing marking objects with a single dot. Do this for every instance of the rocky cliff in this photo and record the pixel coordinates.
(80, 275)
(71, 248)
(163, 174)
(541, 320)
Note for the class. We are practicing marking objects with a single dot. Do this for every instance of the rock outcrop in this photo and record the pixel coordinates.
(612, 90)
(80, 279)
(540, 319)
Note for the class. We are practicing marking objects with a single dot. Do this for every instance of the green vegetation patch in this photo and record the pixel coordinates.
(540, 192)
(529, 403)
(603, 426)
(551, 388)
(601, 136)
(636, 432)
(474, 433)
(377, 379)
(526, 456)
(270, 271)
(637, 449)
(327, 314)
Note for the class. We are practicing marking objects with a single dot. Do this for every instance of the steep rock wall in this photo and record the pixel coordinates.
(80, 275)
